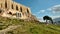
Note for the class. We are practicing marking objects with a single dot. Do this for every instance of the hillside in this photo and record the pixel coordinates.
(27, 27)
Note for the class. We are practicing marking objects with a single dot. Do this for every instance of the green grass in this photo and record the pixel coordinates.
(29, 27)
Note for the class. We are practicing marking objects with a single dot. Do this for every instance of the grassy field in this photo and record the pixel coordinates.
(28, 27)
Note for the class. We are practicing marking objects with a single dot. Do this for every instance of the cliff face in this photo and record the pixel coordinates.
(32, 18)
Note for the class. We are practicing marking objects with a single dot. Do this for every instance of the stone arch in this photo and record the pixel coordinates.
(27, 10)
(21, 9)
(5, 4)
(12, 6)
(16, 7)
(0, 11)
(10, 13)
(18, 14)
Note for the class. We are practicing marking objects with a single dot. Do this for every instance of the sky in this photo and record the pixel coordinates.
(41, 8)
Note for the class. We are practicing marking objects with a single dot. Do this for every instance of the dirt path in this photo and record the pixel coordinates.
(10, 28)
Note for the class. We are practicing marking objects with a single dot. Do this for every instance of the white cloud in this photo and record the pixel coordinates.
(40, 19)
(53, 17)
(53, 12)
(55, 9)
(41, 11)
(49, 9)
(34, 14)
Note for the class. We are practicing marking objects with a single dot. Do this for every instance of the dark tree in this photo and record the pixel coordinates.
(51, 20)
(48, 18)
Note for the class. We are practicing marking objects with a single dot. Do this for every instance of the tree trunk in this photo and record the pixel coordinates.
(51, 21)
(46, 21)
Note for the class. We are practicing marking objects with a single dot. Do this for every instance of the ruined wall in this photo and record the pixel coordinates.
(13, 9)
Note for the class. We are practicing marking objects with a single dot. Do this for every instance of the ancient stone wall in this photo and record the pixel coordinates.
(15, 10)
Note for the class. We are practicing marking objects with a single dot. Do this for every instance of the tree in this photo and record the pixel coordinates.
(51, 20)
(48, 18)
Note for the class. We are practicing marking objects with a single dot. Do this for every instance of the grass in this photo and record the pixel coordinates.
(28, 27)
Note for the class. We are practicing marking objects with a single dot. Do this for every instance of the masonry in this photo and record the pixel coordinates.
(10, 8)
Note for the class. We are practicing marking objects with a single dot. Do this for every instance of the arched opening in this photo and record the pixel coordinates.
(5, 4)
(27, 11)
(21, 9)
(16, 7)
(18, 15)
(10, 13)
(0, 11)
(12, 6)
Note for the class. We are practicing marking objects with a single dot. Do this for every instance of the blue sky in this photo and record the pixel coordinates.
(40, 8)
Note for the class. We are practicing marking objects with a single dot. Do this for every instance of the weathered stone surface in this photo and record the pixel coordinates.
(14, 10)
(11, 9)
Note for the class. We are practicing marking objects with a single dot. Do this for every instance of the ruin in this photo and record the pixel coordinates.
(12, 9)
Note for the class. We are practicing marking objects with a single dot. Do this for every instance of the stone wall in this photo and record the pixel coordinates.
(15, 10)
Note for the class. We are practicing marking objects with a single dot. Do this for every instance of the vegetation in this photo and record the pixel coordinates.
(48, 18)
(28, 27)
